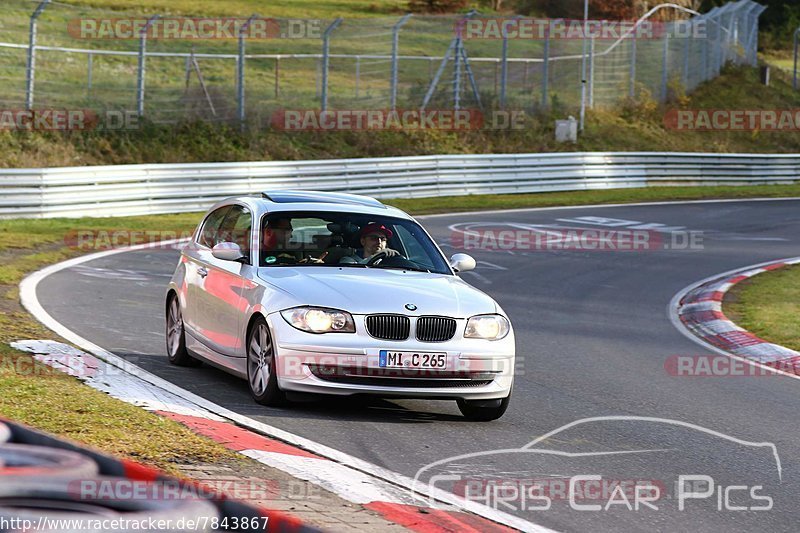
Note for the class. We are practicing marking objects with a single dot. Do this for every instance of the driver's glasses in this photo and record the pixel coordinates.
(376, 237)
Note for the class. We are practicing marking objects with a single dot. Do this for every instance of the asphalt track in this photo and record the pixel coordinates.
(593, 336)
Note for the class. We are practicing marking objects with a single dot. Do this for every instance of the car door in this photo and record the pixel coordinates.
(220, 305)
(196, 267)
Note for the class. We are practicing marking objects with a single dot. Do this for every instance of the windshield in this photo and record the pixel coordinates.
(347, 239)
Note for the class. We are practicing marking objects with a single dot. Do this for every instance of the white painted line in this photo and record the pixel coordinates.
(353, 486)
(672, 313)
(357, 466)
(595, 206)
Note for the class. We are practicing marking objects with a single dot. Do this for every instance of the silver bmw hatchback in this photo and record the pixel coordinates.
(312, 292)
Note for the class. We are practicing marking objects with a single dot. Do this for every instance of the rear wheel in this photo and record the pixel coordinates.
(261, 375)
(176, 338)
(483, 410)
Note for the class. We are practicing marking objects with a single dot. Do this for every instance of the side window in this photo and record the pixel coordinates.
(236, 228)
(208, 234)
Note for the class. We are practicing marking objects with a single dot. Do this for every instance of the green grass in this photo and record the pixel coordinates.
(768, 305)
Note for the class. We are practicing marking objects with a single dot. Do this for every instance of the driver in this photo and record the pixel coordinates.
(374, 237)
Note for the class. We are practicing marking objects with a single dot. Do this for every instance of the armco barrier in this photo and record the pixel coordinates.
(168, 188)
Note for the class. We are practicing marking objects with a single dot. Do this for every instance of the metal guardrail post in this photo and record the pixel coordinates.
(457, 75)
(632, 73)
(796, 45)
(240, 71)
(584, 64)
(326, 50)
(591, 74)
(395, 59)
(504, 68)
(140, 77)
(89, 68)
(686, 49)
(31, 70)
(545, 69)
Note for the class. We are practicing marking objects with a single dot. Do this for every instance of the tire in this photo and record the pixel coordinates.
(261, 376)
(27, 460)
(5, 433)
(176, 336)
(96, 498)
(483, 410)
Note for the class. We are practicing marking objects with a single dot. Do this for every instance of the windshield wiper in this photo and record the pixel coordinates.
(411, 268)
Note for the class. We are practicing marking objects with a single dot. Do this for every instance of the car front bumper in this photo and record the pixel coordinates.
(348, 364)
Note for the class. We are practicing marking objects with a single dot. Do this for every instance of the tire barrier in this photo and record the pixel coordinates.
(28, 499)
(43, 476)
(27, 460)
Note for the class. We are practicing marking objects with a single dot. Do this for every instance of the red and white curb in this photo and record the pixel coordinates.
(698, 309)
(423, 508)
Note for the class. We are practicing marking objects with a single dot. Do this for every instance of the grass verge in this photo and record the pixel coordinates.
(768, 305)
(49, 400)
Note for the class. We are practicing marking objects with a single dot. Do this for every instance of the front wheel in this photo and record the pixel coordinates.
(261, 375)
(176, 337)
(483, 410)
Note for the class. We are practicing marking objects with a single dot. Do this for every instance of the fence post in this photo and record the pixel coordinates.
(141, 71)
(395, 59)
(358, 73)
(504, 68)
(545, 69)
(326, 48)
(457, 76)
(686, 48)
(30, 73)
(796, 43)
(277, 76)
(632, 75)
(591, 73)
(665, 69)
(584, 65)
(240, 72)
(89, 68)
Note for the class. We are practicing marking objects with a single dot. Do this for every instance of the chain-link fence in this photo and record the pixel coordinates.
(57, 55)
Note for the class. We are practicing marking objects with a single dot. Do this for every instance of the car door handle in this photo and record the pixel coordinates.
(202, 272)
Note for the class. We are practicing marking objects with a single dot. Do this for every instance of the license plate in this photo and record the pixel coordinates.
(392, 359)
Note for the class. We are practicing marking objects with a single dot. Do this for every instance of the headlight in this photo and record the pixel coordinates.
(490, 327)
(319, 320)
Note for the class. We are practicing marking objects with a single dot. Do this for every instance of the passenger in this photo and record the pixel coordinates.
(277, 247)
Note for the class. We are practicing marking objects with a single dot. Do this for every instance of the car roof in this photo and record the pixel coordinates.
(299, 200)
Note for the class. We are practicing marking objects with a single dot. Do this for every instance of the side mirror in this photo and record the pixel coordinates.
(228, 251)
(462, 263)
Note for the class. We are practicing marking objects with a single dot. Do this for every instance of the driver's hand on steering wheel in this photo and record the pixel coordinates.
(387, 252)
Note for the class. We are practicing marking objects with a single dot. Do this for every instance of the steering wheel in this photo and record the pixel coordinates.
(377, 258)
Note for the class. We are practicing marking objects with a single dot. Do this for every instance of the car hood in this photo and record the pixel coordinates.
(373, 290)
